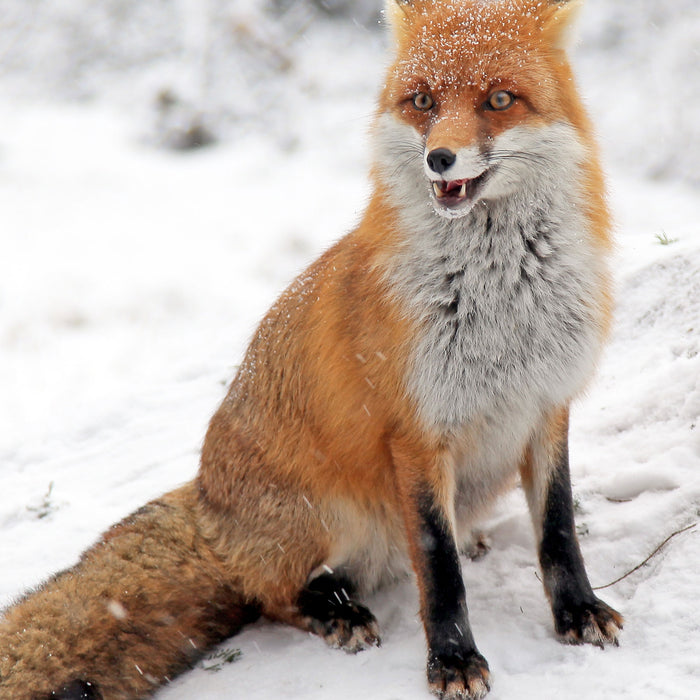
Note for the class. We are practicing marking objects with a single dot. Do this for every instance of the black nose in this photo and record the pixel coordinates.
(440, 159)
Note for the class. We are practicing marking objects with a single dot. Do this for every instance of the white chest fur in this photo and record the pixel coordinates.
(505, 311)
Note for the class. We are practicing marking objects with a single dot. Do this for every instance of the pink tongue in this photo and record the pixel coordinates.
(453, 185)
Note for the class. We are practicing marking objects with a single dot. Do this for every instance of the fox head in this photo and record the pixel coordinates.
(478, 103)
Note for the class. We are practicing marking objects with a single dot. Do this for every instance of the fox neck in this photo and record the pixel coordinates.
(504, 297)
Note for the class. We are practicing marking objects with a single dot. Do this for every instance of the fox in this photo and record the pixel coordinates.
(422, 366)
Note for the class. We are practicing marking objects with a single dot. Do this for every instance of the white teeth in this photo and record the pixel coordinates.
(440, 193)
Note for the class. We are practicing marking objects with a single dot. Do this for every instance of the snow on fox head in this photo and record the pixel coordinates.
(478, 104)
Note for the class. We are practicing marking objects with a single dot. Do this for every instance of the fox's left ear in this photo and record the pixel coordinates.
(559, 21)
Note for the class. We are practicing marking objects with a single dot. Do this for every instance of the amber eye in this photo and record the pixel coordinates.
(500, 100)
(422, 101)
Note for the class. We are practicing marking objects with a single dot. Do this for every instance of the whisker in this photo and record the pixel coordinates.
(415, 151)
(517, 155)
(401, 165)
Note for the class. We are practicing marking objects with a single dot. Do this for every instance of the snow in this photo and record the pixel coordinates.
(131, 278)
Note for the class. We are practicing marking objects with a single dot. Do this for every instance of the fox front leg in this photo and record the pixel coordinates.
(456, 670)
(579, 616)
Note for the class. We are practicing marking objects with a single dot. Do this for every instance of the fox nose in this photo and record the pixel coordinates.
(440, 159)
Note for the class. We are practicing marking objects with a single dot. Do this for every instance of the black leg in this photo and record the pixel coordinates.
(579, 616)
(456, 669)
(426, 487)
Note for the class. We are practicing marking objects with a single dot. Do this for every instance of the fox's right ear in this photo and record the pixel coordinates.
(400, 14)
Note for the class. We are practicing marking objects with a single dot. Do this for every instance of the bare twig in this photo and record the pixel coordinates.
(654, 553)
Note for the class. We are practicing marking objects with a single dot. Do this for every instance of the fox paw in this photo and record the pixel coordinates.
(351, 627)
(458, 678)
(326, 608)
(592, 622)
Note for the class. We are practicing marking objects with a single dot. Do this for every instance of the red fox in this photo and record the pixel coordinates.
(394, 390)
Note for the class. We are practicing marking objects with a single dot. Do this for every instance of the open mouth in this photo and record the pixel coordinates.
(453, 193)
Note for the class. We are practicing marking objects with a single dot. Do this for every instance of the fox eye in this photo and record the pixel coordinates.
(500, 100)
(422, 101)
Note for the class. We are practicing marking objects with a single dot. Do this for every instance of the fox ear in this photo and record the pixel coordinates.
(559, 22)
(400, 13)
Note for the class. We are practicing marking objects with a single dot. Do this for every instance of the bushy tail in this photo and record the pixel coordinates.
(139, 607)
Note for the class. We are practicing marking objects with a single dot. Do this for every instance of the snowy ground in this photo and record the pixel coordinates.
(130, 281)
